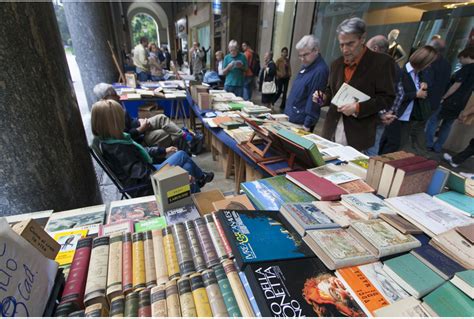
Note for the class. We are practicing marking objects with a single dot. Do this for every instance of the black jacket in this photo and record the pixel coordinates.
(410, 90)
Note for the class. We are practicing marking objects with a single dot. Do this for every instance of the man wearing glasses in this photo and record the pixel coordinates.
(312, 76)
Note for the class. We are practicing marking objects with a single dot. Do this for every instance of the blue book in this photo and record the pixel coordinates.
(258, 236)
(271, 193)
(462, 202)
(438, 181)
(437, 261)
(249, 293)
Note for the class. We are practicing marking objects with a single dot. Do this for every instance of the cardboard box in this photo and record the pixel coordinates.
(205, 101)
(196, 89)
(37, 237)
(171, 187)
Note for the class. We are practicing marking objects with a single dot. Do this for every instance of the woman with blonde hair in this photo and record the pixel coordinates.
(131, 162)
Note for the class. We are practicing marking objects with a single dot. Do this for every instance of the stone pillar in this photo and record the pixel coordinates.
(90, 27)
(44, 159)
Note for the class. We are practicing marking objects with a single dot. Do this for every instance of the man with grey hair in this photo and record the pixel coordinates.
(369, 72)
(313, 76)
(234, 67)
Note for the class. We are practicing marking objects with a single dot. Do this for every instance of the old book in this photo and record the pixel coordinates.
(448, 301)
(306, 216)
(438, 182)
(75, 218)
(319, 187)
(40, 217)
(408, 307)
(239, 202)
(150, 271)
(194, 246)
(226, 292)
(171, 188)
(376, 164)
(170, 253)
(96, 310)
(144, 305)
(138, 262)
(131, 304)
(150, 224)
(127, 263)
(160, 260)
(357, 186)
(186, 300)
(158, 301)
(216, 300)
(464, 280)
(348, 94)
(183, 252)
(33, 233)
(223, 236)
(114, 273)
(204, 200)
(308, 145)
(125, 226)
(97, 275)
(462, 202)
(337, 248)
(456, 247)
(172, 299)
(181, 214)
(401, 224)
(338, 212)
(205, 241)
(78, 313)
(437, 261)
(334, 173)
(117, 306)
(68, 241)
(458, 183)
(237, 288)
(134, 209)
(467, 232)
(412, 275)
(368, 205)
(216, 239)
(413, 178)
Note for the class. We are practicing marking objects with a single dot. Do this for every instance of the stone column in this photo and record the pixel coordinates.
(44, 159)
(90, 27)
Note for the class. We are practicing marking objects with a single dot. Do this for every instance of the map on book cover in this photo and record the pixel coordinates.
(133, 209)
(76, 218)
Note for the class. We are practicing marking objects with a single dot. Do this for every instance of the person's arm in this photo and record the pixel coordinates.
(227, 66)
(451, 90)
(312, 110)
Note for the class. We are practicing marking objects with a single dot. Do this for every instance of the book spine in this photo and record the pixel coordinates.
(64, 309)
(114, 273)
(138, 261)
(150, 271)
(160, 260)
(201, 300)
(117, 306)
(78, 313)
(196, 251)
(158, 301)
(216, 238)
(144, 305)
(76, 283)
(250, 295)
(226, 291)
(209, 252)
(127, 264)
(188, 309)
(131, 304)
(183, 252)
(237, 288)
(97, 276)
(172, 299)
(214, 294)
(170, 253)
(225, 241)
(96, 310)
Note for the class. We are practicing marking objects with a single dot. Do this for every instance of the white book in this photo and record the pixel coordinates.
(75, 218)
(366, 204)
(348, 94)
(344, 153)
(408, 307)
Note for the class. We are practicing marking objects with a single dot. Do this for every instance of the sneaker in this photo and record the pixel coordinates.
(449, 159)
(207, 177)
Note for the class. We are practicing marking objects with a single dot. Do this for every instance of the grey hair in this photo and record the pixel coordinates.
(233, 44)
(381, 42)
(352, 26)
(308, 42)
(102, 90)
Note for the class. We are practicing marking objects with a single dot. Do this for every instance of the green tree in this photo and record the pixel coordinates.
(144, 25)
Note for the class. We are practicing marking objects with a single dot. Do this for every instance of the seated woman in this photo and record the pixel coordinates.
(132, 163)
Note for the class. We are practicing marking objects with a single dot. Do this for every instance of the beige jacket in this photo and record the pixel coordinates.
(140, 59)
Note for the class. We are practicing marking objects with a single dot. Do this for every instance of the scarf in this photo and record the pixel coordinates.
(127, 140)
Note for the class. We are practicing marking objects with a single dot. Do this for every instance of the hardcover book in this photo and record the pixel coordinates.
(448, 301)
(271, 193)
(438, 181)
(305, 216)
(239, 202)
(75, 218)
(368, 205)
(204, 200)
(374, 172)
(413, 178)
(408, 307)
(338, 212)
(250, 232)
(401, 224)
(150, 224)
(300, 288)
(437, 261)
(181, 214)
(309, 145)
(462, 202)
(134, 209)
(467, 232)
(319, 187)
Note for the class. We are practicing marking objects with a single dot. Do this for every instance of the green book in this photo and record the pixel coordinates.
(464, 280)
(456, 182)
(449, 301)
(150, 224)
(412, 275)
(306, 143)
(235, 106)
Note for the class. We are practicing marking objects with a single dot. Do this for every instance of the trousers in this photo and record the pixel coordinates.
(163, 132)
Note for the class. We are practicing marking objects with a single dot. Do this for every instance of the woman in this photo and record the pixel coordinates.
(283, 76)
(156, 65)
(268, 74)
(132, 163)
(219, 65)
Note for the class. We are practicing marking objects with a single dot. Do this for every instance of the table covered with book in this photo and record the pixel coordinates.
(316, 242)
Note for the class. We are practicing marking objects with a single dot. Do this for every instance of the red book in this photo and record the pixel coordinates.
(76, 280)
(127, 271)
(317, 186)
(413, 178)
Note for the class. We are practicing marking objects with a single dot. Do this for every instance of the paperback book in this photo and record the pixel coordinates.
(408, 307)
(68, 240)
(181, 214)
(462, 202)
(133, 209)
(150, 224)
(338, 212)
(456, 247)
(448, 301)
(75, 218)
(368, 205)
(464, 280)
(306, 216)
(437, 261)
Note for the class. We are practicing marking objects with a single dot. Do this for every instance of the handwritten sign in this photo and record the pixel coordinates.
(26, 276)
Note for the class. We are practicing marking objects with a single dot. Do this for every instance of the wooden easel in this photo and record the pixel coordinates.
(117, 65)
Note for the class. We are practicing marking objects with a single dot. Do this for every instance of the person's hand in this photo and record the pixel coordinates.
(319, 97)
(421, 94)
(239, 64)
(388, 118)
(171, 150)
(462, 117)
(144, 125)
(424, 86)
(348, 109)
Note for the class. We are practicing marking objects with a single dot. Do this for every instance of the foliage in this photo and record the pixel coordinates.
(144, 25)
(63, 28)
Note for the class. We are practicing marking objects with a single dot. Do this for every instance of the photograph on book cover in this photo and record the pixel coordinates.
(135, 209)
(76, 218)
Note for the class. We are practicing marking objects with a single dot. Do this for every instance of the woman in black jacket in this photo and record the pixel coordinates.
(267, 74)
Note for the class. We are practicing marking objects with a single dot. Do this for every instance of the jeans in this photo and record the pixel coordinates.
(183, 160)
(374, 150)
(143, 76)
(237, 90)
(431, 127)
(443, 134)
(248, 87)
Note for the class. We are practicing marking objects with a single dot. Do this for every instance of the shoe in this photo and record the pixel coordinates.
(467, 175)
(449, 159)
(207, 177)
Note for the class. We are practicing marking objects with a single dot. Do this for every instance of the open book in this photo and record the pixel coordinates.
(348, 94)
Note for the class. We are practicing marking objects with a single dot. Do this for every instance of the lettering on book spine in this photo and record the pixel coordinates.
(150, 271)
(226, 291)
(209, 252)
(201, 300)
(188, 309)
(158, 301)
(138, 261)
(183, 253)
(97, 274)
(216, 300)
(127, 266)
(195, 247)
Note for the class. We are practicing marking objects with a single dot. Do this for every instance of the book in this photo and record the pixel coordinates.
(195, 246)
(96, 310)
(459, 183)
(216, 300)
(239, 202)
(344, 153)
(348, 94)
(305, 216)
(226, 291)
(300, 288)
(250, 295)
(237, 289)
(325, 170)
(427, 214)
(138, 262)
(249, 233)
(374, 172)
(183, 252)
(204, 200)
(408, 307)
(134, 209)
(32, 232)
(158, 301)
(321, 142)
(117, 306)
(114, 272)
(337, 248)
(209, 252)
(216, 238)
(201, 300)
(467, 232)
(171, 187)
(437, 261)
(334, 174)
(68, 241)
(131, 304)
(456, 247)
(400, 223)
(170, 253)
(124, 226)
(144, 305)
(412, 275)
(75, 218)
(366, 204)
(462, 202)
(181, 214)
(464, 280)
(448, 301)
(338, 212)
(186, 300)
(356, 186)
(96, 283)
(159, 255)
(438, 181)
(307, 144)
(40, 217)
(357, 166)
(381, 239)
(127, 263)
(271, 193)
(319, 187)
(413, 178)
(150, 224)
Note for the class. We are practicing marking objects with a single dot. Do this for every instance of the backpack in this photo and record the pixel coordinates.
(254, 64)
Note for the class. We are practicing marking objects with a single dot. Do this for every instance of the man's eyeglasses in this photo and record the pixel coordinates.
(304, 55)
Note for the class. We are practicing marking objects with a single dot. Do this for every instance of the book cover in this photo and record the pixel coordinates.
(467, 232)
(271, 193)
(239, 202)
(250, 232)
(114, 272)
(413, 179)
(462, 202)
(125, 226)
(367, 204)
(437, 261)
(171, 188)
(325, 170)
(309, 145)
(299, 288)
(356, 186)
(319, 187)
(75, 218)
(68, 241)
(150, 224)
(464, 280)
(449, 301)
(456, 182)
(338, 212)
(181, 214)
(134, 209)
(408, 307)
(341, 177)
(96, 283)
(401, 224)
(40, 217)
(305, 216)
(456, 247)
(204, 200)
(438, 181)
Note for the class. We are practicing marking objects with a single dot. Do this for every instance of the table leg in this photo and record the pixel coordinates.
(185, 117)
(239, 175)
(230, 162)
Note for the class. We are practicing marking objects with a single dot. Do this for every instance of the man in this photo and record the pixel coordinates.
(235, 65)
(167, 57)
(313, 76)
(369, 72)
(196, 60)
(249, 76)
(140, 60)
